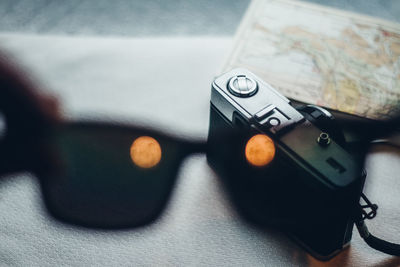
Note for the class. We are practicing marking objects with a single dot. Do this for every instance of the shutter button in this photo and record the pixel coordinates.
(242, 86)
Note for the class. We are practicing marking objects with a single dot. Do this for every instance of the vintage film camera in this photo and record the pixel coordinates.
(311, 187)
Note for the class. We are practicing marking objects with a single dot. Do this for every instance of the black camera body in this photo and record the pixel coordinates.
(312, 186)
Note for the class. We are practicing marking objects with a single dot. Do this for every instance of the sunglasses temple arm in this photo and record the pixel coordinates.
(370, 130)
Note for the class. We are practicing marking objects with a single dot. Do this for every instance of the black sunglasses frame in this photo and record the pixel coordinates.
(37, 154)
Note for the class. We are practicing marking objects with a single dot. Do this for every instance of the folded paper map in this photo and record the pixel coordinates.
(318, 55)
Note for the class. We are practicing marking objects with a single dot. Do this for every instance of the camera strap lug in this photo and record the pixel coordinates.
(368, 211)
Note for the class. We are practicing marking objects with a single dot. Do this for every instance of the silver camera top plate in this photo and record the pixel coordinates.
(242, 91)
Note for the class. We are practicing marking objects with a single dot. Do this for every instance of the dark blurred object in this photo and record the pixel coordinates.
(27, 113)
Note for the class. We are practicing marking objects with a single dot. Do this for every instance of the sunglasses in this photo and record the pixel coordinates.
(106, 175)
(110, 175)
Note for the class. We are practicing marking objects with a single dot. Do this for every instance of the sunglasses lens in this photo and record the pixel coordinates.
(108, 177)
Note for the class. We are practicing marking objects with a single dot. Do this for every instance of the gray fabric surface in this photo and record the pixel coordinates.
(151, 17)
(165, 83)
(122, 17)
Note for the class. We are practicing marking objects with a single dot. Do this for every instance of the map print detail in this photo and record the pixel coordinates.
(322, 56)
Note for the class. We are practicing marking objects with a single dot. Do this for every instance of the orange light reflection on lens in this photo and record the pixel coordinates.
(145, 152)
(260, 150)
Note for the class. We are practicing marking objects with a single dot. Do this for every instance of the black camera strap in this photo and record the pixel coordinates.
(369, 211)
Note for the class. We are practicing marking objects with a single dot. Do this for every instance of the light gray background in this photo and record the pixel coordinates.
(163, 82)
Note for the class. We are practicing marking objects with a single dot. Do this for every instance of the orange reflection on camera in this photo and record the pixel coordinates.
(145, 152)
(260, 150)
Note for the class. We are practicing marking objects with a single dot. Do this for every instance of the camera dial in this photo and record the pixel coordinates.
(242, 86)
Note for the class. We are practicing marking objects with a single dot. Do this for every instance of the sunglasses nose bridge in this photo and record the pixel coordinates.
(196, 147)
(201, 147)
